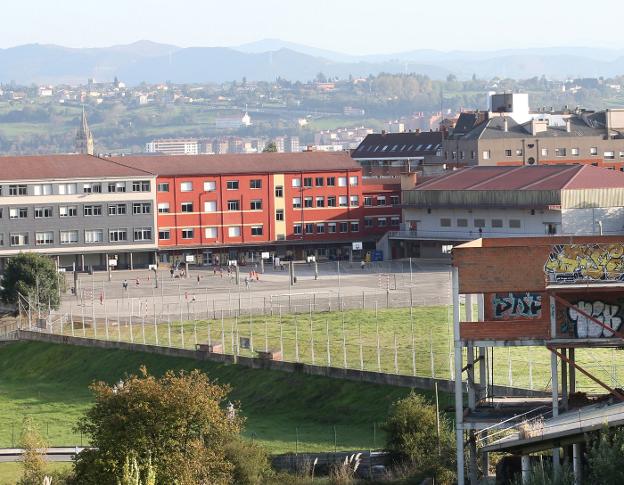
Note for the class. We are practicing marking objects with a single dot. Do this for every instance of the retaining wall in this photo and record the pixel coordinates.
(425, 383)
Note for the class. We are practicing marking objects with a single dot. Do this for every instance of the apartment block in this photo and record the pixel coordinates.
(82, 210)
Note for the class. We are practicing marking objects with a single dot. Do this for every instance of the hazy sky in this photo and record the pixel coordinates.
(352, 26)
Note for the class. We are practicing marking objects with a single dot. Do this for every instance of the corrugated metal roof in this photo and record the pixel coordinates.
(540, 177)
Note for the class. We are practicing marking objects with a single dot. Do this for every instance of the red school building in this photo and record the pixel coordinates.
(224, 207)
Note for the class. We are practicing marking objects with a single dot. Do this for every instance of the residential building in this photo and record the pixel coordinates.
(79, 209)
(390, 154)
(514, 135)
(476, 202)
(231, 206)
(173, 146)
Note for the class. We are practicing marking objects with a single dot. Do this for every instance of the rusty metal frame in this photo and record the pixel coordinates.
(613, 391)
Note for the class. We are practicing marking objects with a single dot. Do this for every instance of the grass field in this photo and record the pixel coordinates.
(11, 472)
(287, 412)
(417, 342)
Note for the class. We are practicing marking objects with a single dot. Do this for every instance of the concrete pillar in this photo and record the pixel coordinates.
(525, 464)
(572, 373)
(131, 262)
(482, 350)
(82, 264)
(459, 398)
(554, 379)
(577, 467)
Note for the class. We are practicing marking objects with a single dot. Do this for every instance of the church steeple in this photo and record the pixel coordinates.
(84, 137)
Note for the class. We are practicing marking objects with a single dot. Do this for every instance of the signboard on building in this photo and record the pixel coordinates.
(585, 263)
(377, 255)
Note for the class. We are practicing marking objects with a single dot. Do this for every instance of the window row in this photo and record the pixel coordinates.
(331, 201)
(210, 232)
(72, 210)
(46, 238)
(210, 185)
(74, 188)
(382, 221)
(381, 200)
(480, 223)
(328, 181)
(332, 227)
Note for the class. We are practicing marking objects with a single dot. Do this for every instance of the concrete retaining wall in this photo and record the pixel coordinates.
(425, 383)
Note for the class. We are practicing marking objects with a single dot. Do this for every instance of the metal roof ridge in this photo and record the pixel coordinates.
(581, 168)
(548, 177)
(503, 173)
(445, 176)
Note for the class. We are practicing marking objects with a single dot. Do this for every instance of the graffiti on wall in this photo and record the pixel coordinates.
(570, 263)
(606, 313)
(507, 306)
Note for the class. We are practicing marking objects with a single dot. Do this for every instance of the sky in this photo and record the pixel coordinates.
(350, 26)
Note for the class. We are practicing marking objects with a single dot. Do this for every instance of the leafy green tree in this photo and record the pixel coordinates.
(178, 421)
(411, 437)
(605, 456)
(270, 147)
(35, 277)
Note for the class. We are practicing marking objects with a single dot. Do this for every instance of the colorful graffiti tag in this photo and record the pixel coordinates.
(516, 305)
(606, 313)
(571, 263)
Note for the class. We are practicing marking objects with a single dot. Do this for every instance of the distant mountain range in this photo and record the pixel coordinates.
(269, 58)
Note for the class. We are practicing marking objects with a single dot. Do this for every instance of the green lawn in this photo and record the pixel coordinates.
(49, 383)
(417, 343)
(11, 472)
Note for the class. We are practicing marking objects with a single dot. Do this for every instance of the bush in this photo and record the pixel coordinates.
(250, 461)
(412, 439)
(605, 456)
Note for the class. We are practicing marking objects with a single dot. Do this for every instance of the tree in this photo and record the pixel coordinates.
(270, 147)
(34, 462)
(411, 437)
(176, 422)
(35, 277)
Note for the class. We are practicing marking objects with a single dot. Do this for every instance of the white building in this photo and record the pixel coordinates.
(481, 201)
(173, 146)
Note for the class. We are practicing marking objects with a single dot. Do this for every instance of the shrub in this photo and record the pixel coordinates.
(250, 461)
(605, 457)
(412, 438)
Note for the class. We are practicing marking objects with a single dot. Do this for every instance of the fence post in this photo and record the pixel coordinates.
(251, 346)
(344, 344)
(431, 353)
(168, 325)
(328, 347)
(130, 321)
(378, 343)
(209, 333)
(413, 340)
(296, 339)
(361, 349)
(396, 355)
(222, 333)
(155, 325)
(281, 326)
(266, 335)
